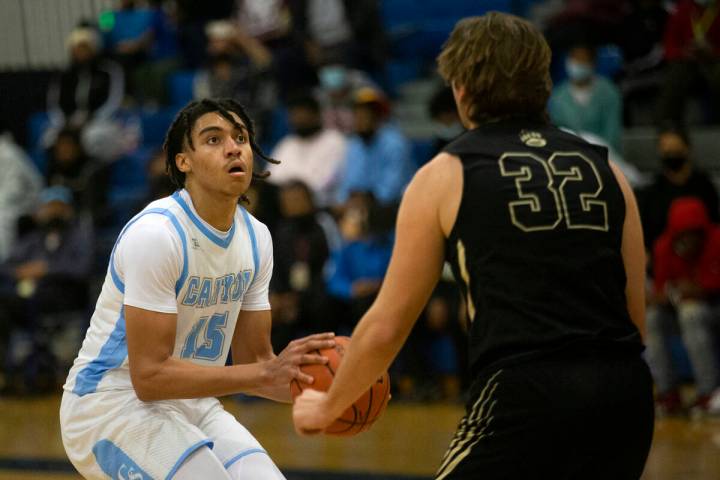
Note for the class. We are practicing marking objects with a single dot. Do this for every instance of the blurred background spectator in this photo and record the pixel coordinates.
(46, 275)
(446, 121)
(692, 51)
(378, 158)
(587, 102)
(20, 184)
(312, 153)
(686, 261)
(678, 177)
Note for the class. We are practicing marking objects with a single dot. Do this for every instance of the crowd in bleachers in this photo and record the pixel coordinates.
(324, 81)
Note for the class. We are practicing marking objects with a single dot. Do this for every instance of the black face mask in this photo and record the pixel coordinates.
(673, 161)
(55, 224)
(367, 136)
(306, 131)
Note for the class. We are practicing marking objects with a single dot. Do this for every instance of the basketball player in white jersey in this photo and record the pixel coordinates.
(188, 279)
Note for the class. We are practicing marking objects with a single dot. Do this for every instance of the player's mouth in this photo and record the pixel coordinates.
(237, 169)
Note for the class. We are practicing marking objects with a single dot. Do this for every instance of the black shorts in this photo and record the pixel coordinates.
(572, 416)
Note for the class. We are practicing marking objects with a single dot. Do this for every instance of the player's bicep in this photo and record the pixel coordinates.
(633, 253)
(418, 253)
(150, 340)
(251, 340)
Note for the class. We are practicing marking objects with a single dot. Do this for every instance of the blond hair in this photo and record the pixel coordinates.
(503, 62)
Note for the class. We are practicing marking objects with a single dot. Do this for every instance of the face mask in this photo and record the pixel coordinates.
(578, 71)
(306, 131)
(332, 77)
(673, 161)
(55, 224)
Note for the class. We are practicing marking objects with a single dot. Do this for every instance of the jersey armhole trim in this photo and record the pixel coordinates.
(160, 211)
(253, 241)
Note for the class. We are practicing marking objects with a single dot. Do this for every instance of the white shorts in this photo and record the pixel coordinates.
(114, 434)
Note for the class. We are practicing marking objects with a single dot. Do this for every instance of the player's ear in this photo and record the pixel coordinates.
(182, 162)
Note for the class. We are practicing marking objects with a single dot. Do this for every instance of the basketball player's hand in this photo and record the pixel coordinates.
(310, 415)
(285, 367)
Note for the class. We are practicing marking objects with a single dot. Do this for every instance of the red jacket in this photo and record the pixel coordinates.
(688, 213)
(679, 30)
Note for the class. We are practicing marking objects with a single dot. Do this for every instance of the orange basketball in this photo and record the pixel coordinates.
(366, 409)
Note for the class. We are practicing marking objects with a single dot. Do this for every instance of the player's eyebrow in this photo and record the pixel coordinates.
(215, 128)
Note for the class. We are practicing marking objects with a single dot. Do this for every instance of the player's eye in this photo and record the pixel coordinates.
(214, 140)
(240, 138)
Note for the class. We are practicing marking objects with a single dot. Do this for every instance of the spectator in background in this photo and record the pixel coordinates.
(678, 178)
(238, 68)
(444, 114)
(641, 40)
(687, 289)
(87, 178)
(587, 102)
(340, 31)
(47, 271)
(151, 76)
(594, 21)
(89, 90)
(20, 184)
(358, 267)
(338, 87)
(298, 288)
(311, 154)
(378, 158)
(270, 22)
(192, 16)
(128, 37)
(692, 51)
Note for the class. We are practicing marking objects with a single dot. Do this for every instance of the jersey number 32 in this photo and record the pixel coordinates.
(570, 189)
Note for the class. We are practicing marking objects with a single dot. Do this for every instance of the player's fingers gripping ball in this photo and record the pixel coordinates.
(366, 409)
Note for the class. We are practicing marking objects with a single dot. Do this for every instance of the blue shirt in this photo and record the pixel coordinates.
(358, 260)
(384, 166)
(128, 25)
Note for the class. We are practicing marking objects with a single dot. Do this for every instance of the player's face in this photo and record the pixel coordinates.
(222, 159)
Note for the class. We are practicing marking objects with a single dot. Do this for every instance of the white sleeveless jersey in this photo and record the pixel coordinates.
(168, 259)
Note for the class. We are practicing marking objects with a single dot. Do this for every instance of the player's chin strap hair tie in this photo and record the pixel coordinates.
(180, 132)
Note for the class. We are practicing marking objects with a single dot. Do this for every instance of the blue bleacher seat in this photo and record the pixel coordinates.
(422, 151)
(155, 124)
(180, 85)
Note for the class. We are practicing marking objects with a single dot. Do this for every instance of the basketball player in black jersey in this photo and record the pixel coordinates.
(544, 237)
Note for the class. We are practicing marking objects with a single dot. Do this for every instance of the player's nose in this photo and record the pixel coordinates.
(232, 147)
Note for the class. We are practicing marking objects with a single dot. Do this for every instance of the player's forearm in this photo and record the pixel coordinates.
(176, 378)
(373, 346)
(276, 393)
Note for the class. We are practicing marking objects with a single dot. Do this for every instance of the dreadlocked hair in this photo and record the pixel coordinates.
(180, 132)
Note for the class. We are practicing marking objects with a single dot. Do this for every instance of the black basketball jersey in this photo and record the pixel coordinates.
(536, 247)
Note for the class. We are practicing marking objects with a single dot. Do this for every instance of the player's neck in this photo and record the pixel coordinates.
(216, 209)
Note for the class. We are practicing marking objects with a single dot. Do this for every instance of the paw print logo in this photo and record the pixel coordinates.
(532, 139)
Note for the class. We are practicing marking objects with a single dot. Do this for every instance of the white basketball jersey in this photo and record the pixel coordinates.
(212, 273)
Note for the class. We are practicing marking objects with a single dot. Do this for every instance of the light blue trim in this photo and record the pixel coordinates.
(112, 355)
(253, 241)
(186, 454)
(161, 211)
(220, 242)
(115, 463)
(241, 455)
(113, 352)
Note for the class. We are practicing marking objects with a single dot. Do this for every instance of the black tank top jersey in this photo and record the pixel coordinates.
(536, 247)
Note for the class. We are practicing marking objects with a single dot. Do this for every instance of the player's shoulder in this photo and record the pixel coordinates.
(259, 229)
(155, 220)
